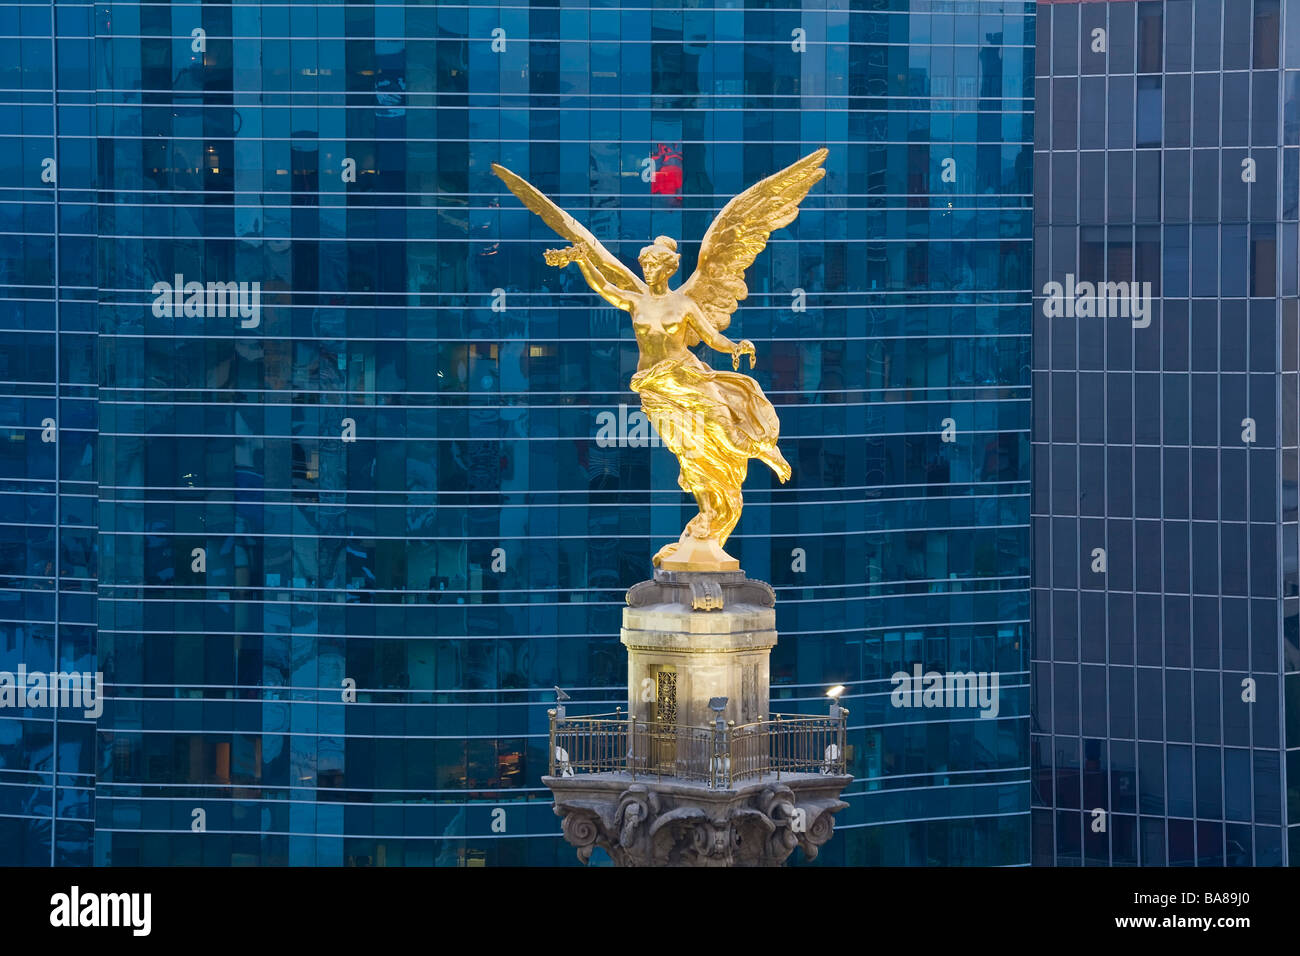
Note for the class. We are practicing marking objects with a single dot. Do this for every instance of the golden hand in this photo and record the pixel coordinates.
(743, 347)
(562, 257)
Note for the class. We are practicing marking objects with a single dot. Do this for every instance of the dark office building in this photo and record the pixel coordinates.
(325, 420)
(48, 377)
(1165, 592)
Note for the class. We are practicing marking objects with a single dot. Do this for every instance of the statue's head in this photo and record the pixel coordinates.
(659, 261)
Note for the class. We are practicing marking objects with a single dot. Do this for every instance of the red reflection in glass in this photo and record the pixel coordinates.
(668, 171)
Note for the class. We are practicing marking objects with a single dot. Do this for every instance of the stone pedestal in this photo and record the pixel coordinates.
(668, 823)
(693, 636)
(674, 782)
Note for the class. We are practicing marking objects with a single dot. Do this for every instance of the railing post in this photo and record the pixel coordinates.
(612, 745)
(779, 741)
(731, 739)
(629, 745)
(843, 735)
(715, 751)
(551, 714)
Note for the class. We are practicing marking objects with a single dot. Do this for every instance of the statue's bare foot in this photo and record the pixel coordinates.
(700, 527)
(695, 554)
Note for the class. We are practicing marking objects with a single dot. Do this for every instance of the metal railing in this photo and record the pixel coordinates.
(717, 756)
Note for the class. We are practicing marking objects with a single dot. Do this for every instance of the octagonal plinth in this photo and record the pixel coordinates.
(691, 637)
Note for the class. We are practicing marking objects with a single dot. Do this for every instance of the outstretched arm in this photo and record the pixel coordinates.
(715, 340)
(579, 253)
(612, 280)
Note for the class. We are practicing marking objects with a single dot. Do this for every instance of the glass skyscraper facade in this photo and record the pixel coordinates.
(344, 501)
(48, 414)
(1164, 493)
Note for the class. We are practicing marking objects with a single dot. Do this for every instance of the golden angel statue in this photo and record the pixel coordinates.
(714, 422)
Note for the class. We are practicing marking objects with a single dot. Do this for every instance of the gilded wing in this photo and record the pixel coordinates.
(604, 261)
(739, 234)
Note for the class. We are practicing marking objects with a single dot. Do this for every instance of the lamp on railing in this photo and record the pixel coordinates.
(560, 698)
(831, 762)
(834, 695)
(718, 705)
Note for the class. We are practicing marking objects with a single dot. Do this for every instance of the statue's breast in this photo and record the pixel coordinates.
(662, 316)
